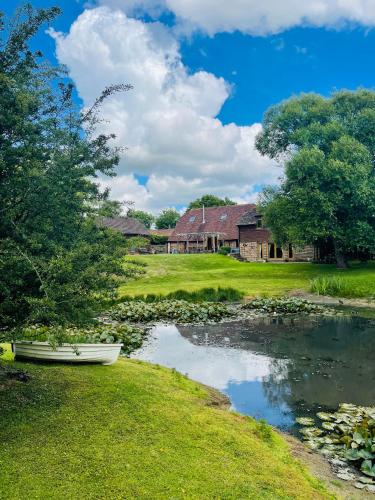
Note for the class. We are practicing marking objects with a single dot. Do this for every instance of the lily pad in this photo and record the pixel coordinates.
(306, 421)
(329, 426)
(325, 416)
(311, 432)
(367, 468)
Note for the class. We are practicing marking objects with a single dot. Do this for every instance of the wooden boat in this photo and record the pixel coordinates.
(106, 354)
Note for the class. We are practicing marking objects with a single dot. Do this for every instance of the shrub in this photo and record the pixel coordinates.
(224, 250)
(128, 335)
(283, 305)
(158, 239)
(136, 242)
(179, 311)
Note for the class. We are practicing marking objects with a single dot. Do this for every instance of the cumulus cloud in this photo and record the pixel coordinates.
(168, 121)
(252, 16)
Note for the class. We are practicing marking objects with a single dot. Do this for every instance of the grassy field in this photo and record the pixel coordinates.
(134, 430)
(168, 273)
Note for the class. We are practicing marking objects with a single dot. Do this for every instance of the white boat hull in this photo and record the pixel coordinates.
(106, 354)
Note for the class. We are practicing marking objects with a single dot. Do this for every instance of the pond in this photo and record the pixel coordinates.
(275, 368)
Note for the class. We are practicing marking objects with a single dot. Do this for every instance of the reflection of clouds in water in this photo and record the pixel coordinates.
(214, 366)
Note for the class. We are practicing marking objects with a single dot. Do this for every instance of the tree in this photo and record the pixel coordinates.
(146, 218)
(110, 208)
(55, 262)
(167, 219)
(209, 200)
(328, 190)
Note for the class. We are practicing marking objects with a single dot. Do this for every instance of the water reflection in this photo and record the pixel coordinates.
(275, 368)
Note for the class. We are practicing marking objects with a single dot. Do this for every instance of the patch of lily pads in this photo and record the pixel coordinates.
(179, 311)
(347, 439)
(285, 306)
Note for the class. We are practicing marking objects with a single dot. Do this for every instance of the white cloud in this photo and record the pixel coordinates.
(253, 16)
(168, 121)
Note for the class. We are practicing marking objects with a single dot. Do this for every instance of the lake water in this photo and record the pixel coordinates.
(275, 368)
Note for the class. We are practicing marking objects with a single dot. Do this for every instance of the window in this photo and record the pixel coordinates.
(223, 217)
(259, 223)
(290, 252)
(279, 253)
(192, 219)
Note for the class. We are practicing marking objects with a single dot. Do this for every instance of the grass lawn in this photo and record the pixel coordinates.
(134, 430)
(168, 273)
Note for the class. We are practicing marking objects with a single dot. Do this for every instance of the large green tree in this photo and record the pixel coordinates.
(55, 262)
(210, 200)
(327, 192)
(167, 219)
(146, 218)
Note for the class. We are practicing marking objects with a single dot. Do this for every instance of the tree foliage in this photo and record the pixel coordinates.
(328, 191)
(54, 261)
(210, 200)
(167, 219)
(146, 218)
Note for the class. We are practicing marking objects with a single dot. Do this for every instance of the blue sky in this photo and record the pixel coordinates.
(258, 71)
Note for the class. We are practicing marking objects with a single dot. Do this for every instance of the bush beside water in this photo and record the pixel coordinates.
(180, 311)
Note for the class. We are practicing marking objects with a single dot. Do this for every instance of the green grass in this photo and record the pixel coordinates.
(136, 431)
(169, 273)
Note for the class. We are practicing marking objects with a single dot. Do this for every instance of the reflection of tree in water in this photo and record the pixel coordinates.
(315, 362)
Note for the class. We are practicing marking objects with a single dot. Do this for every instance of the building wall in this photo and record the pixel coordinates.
(254, 247)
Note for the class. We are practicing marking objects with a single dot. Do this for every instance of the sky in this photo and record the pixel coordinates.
(203, 74)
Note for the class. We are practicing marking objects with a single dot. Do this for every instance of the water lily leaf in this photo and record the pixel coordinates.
(343, 418)
(367, 468)
(348, 407)
(352, 455)
(307, 421)
(325, 416)
(311, 432)
(329, 426)
(358, 438)
(367, 455)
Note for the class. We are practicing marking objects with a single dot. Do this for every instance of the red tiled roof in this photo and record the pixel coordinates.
(222, 220)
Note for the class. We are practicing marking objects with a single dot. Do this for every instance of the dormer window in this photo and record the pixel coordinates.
(192, 218)
(259, 223)
(223, 217)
